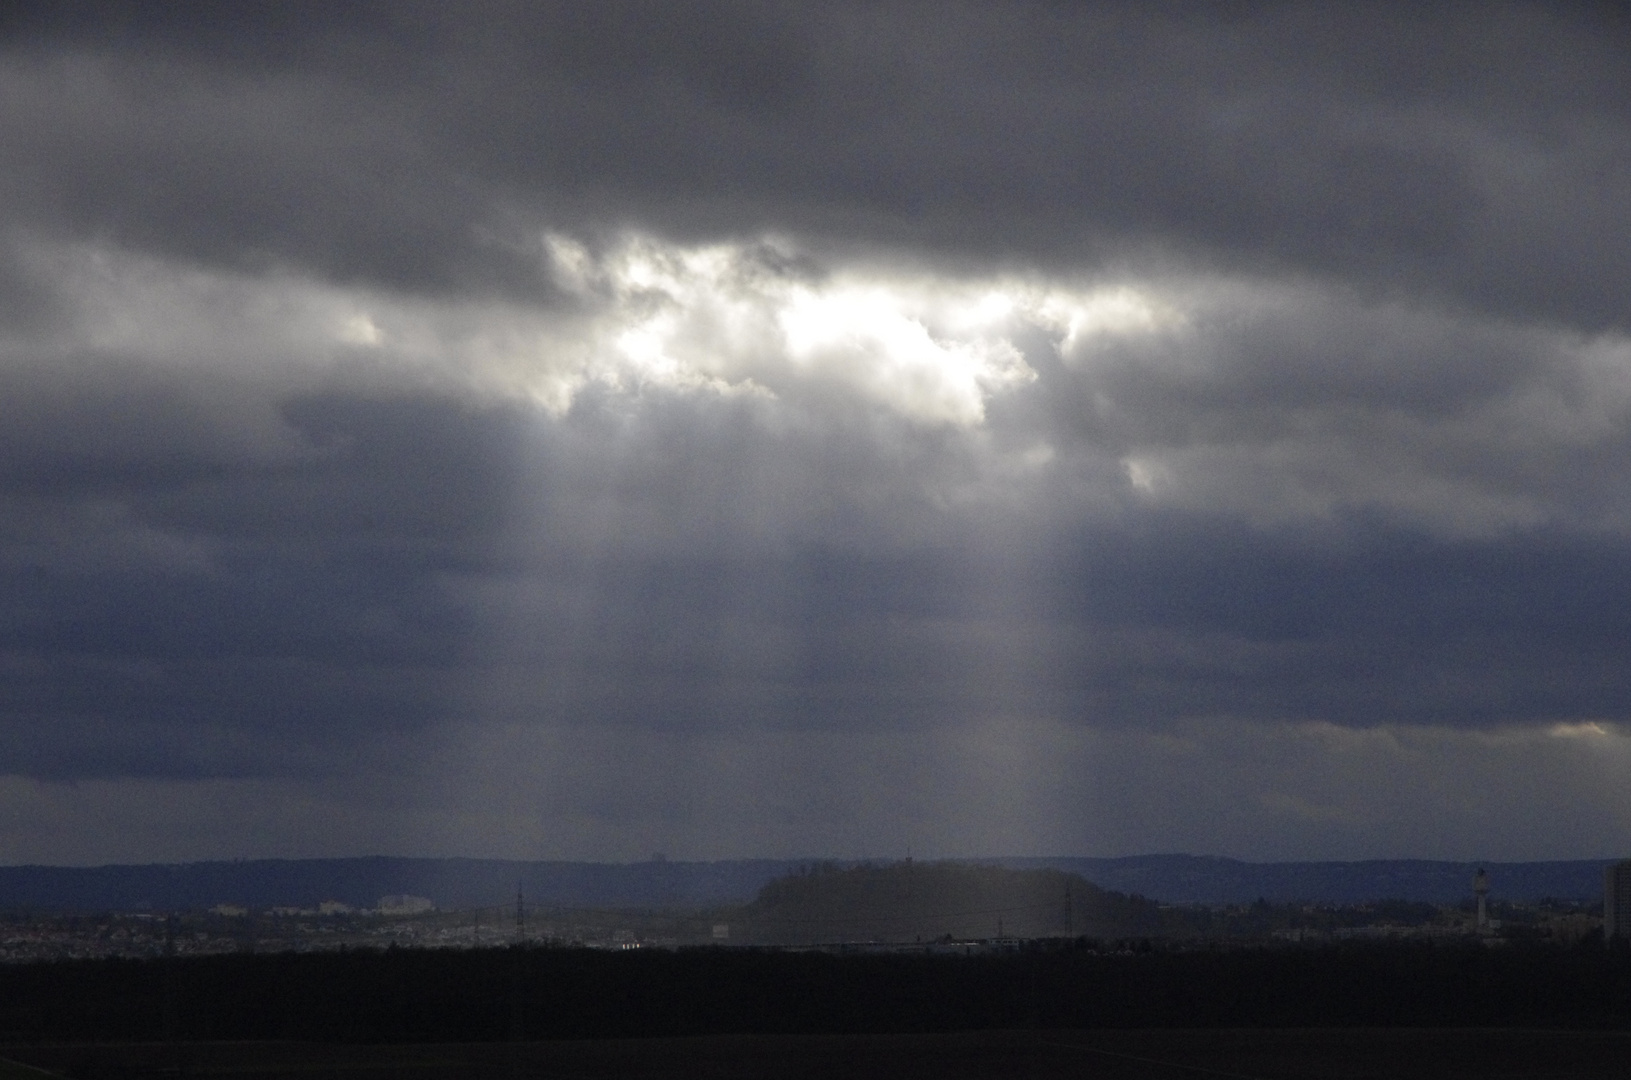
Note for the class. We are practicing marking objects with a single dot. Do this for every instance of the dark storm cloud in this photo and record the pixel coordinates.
(619, 380)
(179, 614)
(367, 589)
(1480, 156)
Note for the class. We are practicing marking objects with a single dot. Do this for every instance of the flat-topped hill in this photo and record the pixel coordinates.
(924, 901)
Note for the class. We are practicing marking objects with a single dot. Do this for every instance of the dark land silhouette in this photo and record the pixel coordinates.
(469, 883)
(1270, 1054)
(913, 969)
(413, 995)
(940, 900)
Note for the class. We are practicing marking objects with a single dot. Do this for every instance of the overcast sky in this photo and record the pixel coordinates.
(590, 430)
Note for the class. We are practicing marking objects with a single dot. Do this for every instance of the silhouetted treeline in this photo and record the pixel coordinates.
(923, 901)
(448, 995)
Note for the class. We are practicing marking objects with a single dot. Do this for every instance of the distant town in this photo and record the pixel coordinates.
(902, 907)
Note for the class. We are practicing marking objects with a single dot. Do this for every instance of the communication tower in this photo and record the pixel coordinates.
(1480, 887)
(1617, 900)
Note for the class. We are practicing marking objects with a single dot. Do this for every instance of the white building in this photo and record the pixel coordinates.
(404, 905)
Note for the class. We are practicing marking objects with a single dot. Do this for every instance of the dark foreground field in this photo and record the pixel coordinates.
(496, 995)
(1278, 1054)
(1395, 1011)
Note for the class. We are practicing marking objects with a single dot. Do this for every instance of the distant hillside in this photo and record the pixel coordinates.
(924, 901)
(1199, 879)
(466, 883)
(450, 883)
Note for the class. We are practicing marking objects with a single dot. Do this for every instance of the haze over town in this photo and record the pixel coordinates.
(564, 431)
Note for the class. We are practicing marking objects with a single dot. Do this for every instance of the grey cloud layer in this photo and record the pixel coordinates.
(387, 556)
(1481, 157)
(378, 378)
